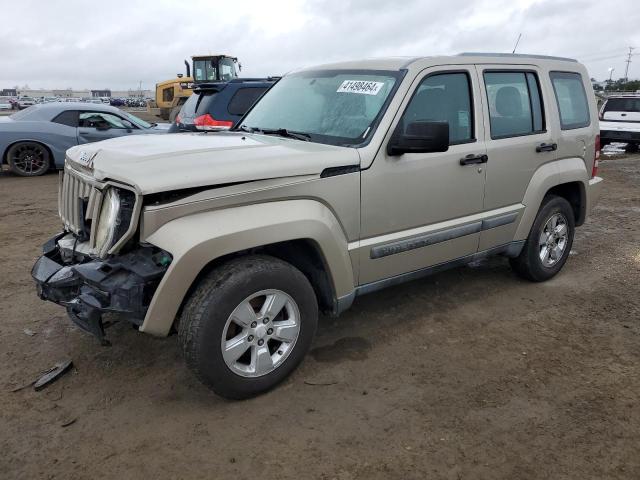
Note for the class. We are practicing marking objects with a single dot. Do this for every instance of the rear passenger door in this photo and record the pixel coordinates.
(518, 141)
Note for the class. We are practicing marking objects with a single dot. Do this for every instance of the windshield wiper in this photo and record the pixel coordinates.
(282, 132)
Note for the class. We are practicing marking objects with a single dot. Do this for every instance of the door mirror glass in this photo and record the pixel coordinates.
(419, 137)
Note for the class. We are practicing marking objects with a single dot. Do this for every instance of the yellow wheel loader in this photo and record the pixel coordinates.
(171, 94)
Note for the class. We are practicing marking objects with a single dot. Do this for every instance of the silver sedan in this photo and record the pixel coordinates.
(35, 140)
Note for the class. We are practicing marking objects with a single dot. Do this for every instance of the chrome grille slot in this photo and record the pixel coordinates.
(73, 191)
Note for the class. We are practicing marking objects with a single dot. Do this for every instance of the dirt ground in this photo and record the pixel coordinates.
(470, 374)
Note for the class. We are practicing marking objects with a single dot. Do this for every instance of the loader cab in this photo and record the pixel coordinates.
(214, 68)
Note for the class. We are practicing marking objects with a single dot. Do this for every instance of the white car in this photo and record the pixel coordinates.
(25, 102)
(5, 104)
(620, 120)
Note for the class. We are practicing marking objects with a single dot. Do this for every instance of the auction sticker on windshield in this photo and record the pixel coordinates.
(360, 86)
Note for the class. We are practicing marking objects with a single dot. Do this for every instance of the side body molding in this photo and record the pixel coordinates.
(546, 177)
(195, 240)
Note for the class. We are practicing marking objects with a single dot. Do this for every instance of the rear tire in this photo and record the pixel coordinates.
(549, 242)
(233, 325)
(28, 159)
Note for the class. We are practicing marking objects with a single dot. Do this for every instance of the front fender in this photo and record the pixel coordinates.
(546, 177)
(195, 240)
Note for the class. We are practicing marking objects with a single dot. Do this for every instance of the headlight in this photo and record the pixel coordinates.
(108, 221)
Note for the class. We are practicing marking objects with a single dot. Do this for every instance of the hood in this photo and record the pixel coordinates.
(159, 163)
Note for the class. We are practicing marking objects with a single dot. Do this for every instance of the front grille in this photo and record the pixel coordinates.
(78, 202)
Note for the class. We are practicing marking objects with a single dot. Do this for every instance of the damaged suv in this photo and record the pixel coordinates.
(343, 179)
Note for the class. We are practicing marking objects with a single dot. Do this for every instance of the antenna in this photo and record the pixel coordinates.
(628, 61)
(517, 42)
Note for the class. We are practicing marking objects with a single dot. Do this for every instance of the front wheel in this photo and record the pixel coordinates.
(248, 325)
(547, 248)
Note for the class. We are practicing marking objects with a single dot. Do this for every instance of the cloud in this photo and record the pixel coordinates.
(76, 44)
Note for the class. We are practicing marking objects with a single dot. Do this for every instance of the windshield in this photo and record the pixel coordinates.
(136, 121)
(337, 107)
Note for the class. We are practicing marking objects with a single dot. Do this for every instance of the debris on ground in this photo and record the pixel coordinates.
(28, 331)
(53, 374)
(68, 422)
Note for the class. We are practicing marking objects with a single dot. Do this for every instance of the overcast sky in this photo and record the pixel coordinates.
(116, 44)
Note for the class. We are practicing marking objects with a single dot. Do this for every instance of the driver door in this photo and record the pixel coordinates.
(96, 126)
(420, 209)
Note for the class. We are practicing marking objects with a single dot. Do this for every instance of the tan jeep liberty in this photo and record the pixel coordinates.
(341, 180)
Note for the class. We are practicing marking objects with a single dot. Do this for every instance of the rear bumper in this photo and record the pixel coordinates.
(122, 284)
(594, 190)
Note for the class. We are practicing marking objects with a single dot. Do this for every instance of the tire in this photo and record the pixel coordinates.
(207, 325)
(631, 148)
(28, 159)
(530, 264)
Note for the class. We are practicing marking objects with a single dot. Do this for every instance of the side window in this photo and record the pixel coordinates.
(515, 103)
(68, 118)
(101, 120)
(571, 99)
(444, 97)
(243, 99)
(167, 94)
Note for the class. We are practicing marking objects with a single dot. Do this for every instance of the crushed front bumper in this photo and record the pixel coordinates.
(121, 284)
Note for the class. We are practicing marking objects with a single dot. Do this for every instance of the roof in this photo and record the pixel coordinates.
(398, 63)
(46, 111)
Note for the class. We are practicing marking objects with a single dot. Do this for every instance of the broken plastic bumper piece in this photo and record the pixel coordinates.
(122, 284)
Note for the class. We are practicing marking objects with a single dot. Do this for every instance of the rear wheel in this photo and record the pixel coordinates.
(549, 243)
(28, 159)
(248, 325)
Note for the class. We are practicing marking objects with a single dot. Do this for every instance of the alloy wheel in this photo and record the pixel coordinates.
(260, 333)
(553, 240)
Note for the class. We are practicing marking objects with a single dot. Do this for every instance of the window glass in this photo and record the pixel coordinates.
(515, 105)
(338, 107)
(101, 120)
(572, 100)
(446, 98)
(243, 99)
(622, 105)
(167, 94)
(69, 118)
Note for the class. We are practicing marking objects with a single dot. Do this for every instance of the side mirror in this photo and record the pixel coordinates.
(103, 126)
(127, 124)
(419, 137)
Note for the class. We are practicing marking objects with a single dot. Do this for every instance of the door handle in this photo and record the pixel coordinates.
(547, 147)
(473, 159)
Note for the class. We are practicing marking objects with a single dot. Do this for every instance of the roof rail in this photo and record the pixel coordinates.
(515, 55)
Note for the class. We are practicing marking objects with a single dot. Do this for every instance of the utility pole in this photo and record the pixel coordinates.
(628, 61)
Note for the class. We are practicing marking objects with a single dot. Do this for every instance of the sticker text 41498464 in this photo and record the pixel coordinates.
(360, 86)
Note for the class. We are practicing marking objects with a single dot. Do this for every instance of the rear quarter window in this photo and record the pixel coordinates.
(197, 104)
(244, 99)
(571, 100)
(68, 118)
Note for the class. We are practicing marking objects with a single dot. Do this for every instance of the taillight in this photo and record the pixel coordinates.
(596, 158)
(207, 122)
(178, 119)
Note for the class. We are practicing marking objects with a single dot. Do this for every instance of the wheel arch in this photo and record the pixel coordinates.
(567, 178)
(302, 232)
